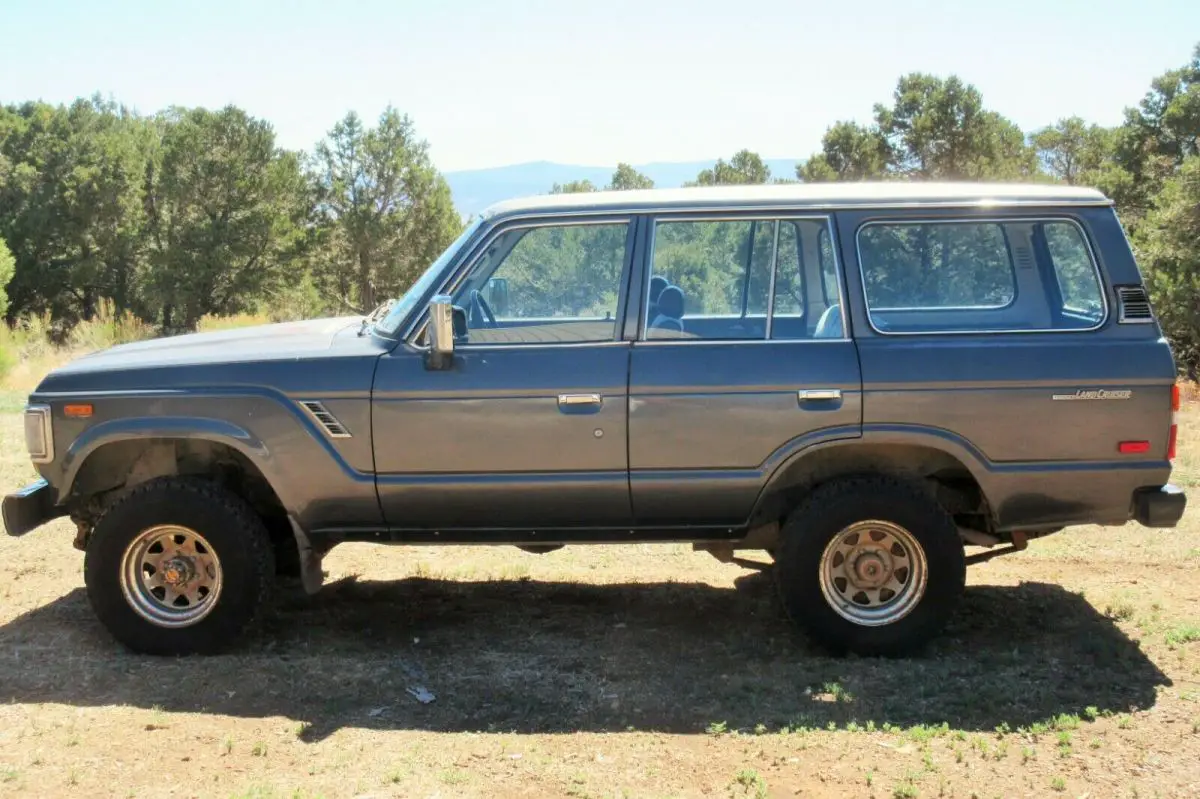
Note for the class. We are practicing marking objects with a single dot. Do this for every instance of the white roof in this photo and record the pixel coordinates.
(805, 195)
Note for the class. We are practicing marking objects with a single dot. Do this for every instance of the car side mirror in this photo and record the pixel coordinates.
(443, 330)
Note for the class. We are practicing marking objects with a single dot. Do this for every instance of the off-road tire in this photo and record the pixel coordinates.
(229, 525)
(832, 508)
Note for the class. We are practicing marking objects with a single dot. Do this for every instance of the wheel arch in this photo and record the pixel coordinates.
(115, 458)
(951, 470)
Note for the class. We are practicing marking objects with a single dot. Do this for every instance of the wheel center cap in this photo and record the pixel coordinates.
(870, 570)
(178, 571)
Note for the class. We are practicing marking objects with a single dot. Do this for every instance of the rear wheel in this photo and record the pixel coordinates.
(870, 565)
(178, 566)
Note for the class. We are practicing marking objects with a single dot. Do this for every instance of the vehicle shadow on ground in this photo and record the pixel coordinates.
(524, 656)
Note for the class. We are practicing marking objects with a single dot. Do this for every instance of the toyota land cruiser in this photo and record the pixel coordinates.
(859, 379)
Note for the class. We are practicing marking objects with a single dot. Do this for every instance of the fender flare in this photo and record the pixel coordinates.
(897, 435)
(116, 431)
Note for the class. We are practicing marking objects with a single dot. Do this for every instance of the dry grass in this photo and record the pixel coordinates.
(33, 346)
(1072, 669)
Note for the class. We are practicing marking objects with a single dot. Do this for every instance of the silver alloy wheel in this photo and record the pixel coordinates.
(171, 576)
(873, 573)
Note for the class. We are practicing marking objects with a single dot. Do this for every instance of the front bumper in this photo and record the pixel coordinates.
(29, 508)
(1159, 507)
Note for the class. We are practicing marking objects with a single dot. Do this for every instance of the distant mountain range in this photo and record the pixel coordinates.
(476, 189)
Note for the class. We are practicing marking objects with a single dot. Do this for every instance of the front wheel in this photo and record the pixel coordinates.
(870, 565)
(178, 566)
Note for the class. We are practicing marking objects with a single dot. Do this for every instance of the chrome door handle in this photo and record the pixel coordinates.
(575, 400)
(806, 395)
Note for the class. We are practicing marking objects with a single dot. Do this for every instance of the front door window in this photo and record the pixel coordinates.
(546, 285)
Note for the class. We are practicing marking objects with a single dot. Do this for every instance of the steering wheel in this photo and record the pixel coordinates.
(480, 310)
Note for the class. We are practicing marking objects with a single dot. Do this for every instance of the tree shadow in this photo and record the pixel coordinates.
(528, 656)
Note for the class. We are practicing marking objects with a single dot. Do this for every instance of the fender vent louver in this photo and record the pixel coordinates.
(1133, 306)
(332, 426)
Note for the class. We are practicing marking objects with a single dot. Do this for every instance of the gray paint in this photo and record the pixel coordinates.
(691, 441)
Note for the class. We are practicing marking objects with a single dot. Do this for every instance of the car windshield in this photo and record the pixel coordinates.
(404, 306)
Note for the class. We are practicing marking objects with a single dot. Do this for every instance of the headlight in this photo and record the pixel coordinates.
(39, 439)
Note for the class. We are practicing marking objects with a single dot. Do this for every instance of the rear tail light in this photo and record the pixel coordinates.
(1173, 436)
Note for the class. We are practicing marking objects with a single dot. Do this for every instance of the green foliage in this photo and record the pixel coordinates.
(1169, 248)
(626, 177)
(1075, 152)
(383, 213)
(574, 187)
(71, 207)
(197, 213)
(744, 168)
(226, 213)
(849, 152)
(7, 265)
(935, 129)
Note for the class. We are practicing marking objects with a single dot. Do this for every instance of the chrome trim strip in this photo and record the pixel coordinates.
(975, 332)
(797, 207)
(654, 342)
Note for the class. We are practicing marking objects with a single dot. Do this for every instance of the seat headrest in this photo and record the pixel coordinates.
(670, 302)
(657, 284)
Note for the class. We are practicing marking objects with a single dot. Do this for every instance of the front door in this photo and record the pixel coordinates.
(528, 428)
(743, 361)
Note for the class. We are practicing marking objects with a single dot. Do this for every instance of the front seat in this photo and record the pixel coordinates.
(657, 284)
(670, 314)
(830, 323)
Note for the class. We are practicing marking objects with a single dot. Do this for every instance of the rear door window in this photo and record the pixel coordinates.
(732, 279)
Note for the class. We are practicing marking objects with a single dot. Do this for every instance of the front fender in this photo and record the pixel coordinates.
(320, 481)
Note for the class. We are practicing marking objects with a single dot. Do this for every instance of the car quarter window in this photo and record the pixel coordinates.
(978, 276)
(712, 280)
(553, 284)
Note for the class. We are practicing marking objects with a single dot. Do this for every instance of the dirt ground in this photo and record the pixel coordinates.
(1073, 669)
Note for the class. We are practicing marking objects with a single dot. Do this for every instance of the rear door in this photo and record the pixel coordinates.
(742, 360)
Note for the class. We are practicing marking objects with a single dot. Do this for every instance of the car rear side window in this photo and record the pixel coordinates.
(978, 276)
(928, 266)
(1081, 300)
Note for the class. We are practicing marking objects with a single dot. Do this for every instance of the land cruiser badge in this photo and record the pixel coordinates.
(1100, 394)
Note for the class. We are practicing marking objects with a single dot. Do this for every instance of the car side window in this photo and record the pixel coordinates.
(1082, 299)
(829, 276)
(712, 280)
(951, 275)
(709, 279)
(546, 285)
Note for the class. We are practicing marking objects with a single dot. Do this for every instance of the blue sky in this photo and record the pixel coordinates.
(490, 82)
